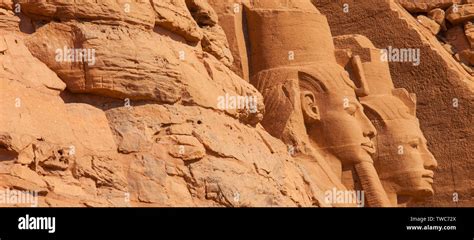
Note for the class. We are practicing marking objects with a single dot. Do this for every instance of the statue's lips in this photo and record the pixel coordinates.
(369, 147)
(428, 176)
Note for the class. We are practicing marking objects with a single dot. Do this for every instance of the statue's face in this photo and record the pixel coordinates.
(342, 128)
(403, 158)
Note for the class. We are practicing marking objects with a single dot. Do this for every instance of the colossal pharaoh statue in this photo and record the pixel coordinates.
(311, 103)
(144, 119)
(403, 161)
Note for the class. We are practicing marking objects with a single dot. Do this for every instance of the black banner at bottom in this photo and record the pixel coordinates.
(157, 223)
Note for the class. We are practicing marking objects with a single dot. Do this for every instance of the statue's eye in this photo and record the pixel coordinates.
(351, 110)
(414, 144)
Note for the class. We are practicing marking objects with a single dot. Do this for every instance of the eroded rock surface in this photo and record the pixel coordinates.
(234, 103)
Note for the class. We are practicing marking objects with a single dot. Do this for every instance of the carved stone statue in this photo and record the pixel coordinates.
(311, 101)
(236, 103)
(403, 161)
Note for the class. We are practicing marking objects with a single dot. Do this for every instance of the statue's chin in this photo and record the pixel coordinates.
(411, 185)
(421, 191)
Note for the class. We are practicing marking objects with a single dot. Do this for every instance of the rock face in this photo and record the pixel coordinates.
(450, 22)
(235, 103)
(427, 5)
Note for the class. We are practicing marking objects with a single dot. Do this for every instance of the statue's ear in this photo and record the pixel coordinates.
(310, 109)
(310, 86)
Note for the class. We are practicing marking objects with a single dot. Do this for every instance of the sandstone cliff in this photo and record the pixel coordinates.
(162, 103)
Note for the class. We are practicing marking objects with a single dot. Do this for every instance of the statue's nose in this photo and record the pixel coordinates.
(368, 128)
(370, 133)
(430, 162)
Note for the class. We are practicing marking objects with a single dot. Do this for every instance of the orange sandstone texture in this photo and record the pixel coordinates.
(236, 103)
